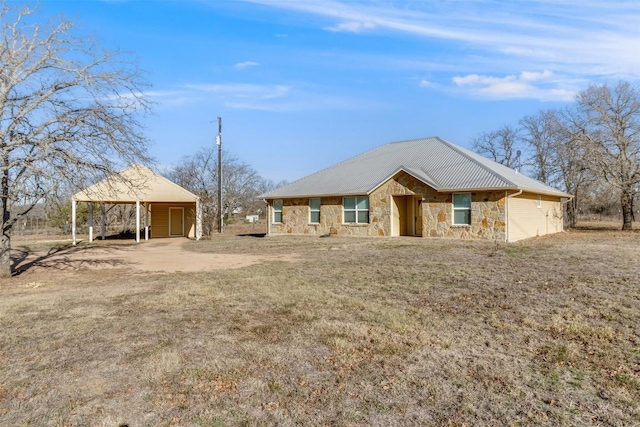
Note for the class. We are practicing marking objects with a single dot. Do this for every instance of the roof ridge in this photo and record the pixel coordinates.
(412, 140)
(476, 161)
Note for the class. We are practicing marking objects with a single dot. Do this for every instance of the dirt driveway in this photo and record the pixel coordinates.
(158, 255)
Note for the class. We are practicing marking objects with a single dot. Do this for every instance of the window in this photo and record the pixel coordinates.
(539, 204)
(462, 209)
(356, 210)
(277, 211)
(314, 211)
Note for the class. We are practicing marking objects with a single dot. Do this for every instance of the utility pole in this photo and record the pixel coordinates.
(219, 144)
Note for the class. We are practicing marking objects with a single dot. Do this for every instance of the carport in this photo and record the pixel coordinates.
(163, 208)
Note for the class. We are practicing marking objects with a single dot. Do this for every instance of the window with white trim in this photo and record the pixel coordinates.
(356, 210)
(314, 211)
(277, 211)
(462, 209)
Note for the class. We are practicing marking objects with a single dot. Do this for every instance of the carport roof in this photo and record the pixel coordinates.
(136, 183)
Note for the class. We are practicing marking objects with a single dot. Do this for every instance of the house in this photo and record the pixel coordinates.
(424, 187)
(163, 208)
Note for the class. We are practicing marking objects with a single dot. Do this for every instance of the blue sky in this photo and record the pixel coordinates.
(301, 85)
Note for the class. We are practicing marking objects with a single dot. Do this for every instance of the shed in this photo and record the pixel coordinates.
(163, 208)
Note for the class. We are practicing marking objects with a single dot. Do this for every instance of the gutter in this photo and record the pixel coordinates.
(509, 196)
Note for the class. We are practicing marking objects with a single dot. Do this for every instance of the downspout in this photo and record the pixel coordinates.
(508, 196)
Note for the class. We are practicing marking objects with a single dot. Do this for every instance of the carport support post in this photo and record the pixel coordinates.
(198, 219)
(90, 222)
(103, 214)
(73, 222)
(137, 221)
(268, 218)
(146, 221)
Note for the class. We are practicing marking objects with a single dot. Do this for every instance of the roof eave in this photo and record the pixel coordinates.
(311, 196)
(512, 188)
(439, 190)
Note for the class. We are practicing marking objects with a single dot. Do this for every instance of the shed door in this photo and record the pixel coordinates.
(176, 222)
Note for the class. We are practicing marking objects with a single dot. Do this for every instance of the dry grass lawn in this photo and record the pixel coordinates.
(339, 332)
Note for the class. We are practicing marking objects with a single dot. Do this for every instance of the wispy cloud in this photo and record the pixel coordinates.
(243, 90)
(352, 27)
(426, 83)
(246, 64)
(528, 84)
(275, 98)
(161, 97)
(588, 41)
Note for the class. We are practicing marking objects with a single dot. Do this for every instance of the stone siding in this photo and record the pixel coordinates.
(487, 213)
(295, 219)
(488, 217)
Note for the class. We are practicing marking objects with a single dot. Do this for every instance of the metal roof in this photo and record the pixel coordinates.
(136, 183)
(438, 163)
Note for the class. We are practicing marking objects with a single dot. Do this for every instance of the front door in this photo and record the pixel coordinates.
(176, 222)
(399, 216)
(417, 215)
(406, 216)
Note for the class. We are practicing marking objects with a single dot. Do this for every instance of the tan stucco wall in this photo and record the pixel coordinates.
(527, 220)
(487, 214)
(159, 219)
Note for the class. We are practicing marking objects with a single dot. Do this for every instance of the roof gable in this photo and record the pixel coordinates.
(438, 163)
(136, 183)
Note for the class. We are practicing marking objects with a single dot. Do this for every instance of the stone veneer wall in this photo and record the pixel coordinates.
(488, 216)
(487, 213)
(295, 219)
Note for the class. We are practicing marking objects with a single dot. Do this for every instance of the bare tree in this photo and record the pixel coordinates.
(607, 125)
(596, 138)
(572, 171)
(500, 146)
(68, 112)
(198, 174)
(599, 200)
(240, 184)
(540, 133)
(556, 157)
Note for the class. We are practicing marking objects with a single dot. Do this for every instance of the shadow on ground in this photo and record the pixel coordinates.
(252, 234)
(59, 258)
